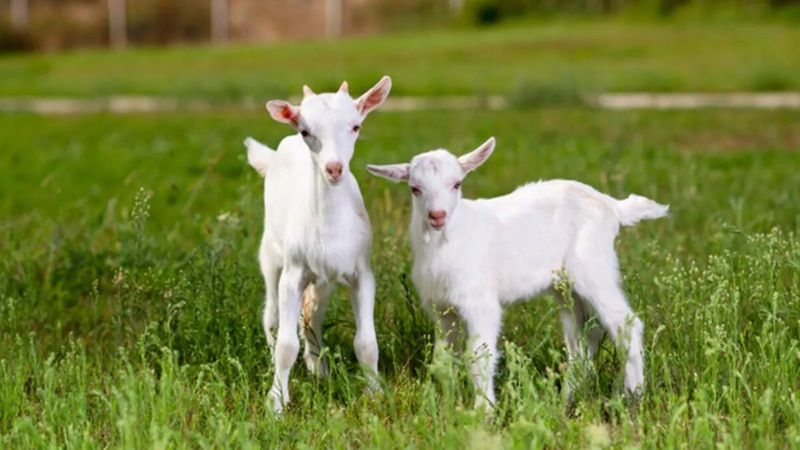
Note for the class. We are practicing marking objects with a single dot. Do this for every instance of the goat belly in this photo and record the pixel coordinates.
(446, 287)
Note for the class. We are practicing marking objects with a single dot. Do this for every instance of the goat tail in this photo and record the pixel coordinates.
(636, 208)
(258, 155)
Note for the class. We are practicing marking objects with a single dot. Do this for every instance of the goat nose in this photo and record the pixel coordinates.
(437, 215)
(334, 169)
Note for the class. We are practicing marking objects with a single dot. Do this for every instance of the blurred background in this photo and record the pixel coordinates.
(49, 25)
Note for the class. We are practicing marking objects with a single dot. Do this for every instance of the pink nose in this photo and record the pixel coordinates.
(437, 215)
(334, 170)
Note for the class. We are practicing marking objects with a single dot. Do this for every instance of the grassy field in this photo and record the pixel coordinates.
(534, 60)
(131, 298)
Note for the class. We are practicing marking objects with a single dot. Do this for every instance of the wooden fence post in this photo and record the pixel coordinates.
(19, 14)
(333, 18)
(117, 23)
(219, 21)
(456, 5)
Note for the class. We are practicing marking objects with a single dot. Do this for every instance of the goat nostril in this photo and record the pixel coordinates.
(436, 215)
(334, 169)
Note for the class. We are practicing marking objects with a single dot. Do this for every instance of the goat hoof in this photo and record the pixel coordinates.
(373, 386)
(276, 398)
(633, 399)
(484, 404)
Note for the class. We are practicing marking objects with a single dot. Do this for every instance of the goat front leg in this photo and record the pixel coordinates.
(365, 342)
(287, 344)
(483, 327)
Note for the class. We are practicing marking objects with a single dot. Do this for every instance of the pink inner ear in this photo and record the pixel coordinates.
(373, 99)
(483, 154)
(289, 114)
(474, 160)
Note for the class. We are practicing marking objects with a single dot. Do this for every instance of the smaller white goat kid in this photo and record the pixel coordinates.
(316, 229)
(472, 257)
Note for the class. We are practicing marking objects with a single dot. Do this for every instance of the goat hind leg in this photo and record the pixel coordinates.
(572, 322)
(314, 304)
(622, 324)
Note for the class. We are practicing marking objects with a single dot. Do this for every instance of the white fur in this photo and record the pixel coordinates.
(316, 229)
(492, 252)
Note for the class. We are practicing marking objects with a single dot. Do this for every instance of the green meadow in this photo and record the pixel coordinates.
(131, 296)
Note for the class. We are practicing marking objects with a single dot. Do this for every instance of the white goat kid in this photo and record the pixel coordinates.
(316, 229)
(473, 257)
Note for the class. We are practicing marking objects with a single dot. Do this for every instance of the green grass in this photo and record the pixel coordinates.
(570, 56)
(130, 302)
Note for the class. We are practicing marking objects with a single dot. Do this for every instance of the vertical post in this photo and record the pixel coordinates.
(219, 21)
(333, 18)
(117, 23)
(19, 14)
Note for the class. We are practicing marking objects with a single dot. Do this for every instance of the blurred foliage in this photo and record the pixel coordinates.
(12, 40)
(163, 21)
(491, 11)
(82, 23)
(411, 14)
(419, 13)
(54, 25)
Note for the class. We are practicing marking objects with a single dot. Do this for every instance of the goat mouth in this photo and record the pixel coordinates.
(437, 224)
(334, 182)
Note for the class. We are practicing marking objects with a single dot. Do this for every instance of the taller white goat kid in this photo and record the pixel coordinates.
(476, 256)
(316, 229)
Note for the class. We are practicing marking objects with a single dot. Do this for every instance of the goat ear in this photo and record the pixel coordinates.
(475, 158)
(391, 172)
(284, 112)
(374, 97)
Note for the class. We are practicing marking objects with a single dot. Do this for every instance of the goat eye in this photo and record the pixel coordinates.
(416, 190)
(356, 128)
(457, 185)
(305, 133)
